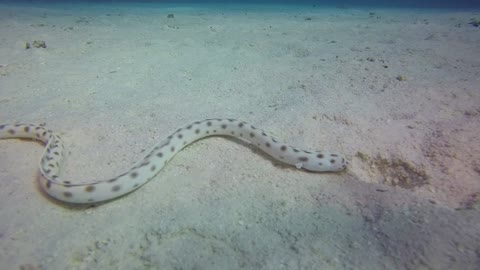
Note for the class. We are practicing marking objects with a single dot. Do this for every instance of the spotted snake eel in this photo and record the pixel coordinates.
(155, 160)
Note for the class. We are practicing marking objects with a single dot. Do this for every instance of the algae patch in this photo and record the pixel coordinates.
(395, 171)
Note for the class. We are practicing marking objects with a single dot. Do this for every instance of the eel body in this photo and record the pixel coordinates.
(73, 191)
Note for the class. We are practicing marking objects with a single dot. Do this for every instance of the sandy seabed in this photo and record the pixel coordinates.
(396, 90)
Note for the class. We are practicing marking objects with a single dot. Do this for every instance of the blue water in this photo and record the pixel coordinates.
(343, 3)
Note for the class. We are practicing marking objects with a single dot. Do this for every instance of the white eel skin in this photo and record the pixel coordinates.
(96, 191)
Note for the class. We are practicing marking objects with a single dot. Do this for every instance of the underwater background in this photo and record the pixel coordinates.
(342, 3)
(390, 86)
